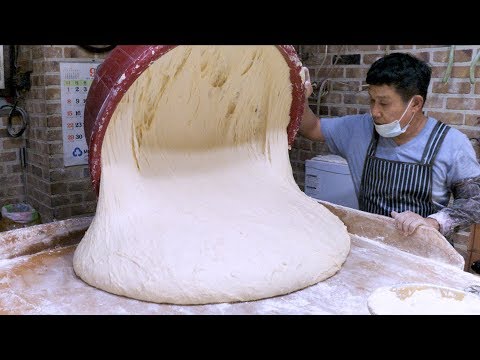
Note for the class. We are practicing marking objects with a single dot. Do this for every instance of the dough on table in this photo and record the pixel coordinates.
(197, 200)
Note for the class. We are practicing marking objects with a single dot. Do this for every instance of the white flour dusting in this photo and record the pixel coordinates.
(423, 300)
(45, 283)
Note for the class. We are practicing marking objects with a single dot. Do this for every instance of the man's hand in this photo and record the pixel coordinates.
(307, 83)
(408, 221)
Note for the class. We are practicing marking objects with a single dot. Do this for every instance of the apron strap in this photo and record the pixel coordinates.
(434, 142)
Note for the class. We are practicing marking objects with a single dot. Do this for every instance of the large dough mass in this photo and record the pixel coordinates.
(197, 200)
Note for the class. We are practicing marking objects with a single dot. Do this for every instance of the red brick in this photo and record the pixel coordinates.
(359, 48)
(300, 180)
(334, 98)
(305, 155)
(400, 47)
(8, 156)
(37, 52)
(319, 59)
(338, 111)
(323, 111)
(54, 121)
(52, 79)
(85, 208)
(38, 80)
(452, 118)
(56, 162)
(457, 72)
(293, 153)
(434, 101)
(450, 87)
(64, 174)
(55, 148)
(369, 59)
(425, 56)
(331, 72)
(13, 168)
(4, 133)
(35, 170)
(53, 108)
(356, 98)
(459, 56)
(38, 159)
(11, 179)
(38, 67)
(320, 147)
(463, 104)
(62, 213)
(90, 195)
(58, 188)
(24, 64)
(41, 197)
(54, 134)
(37, 122)
(12, 200)
(79, 186)
(52, 66)
(15, 191)
(477, 88)
(345, 85)
(76, 52)
(39, 107)
(44, 186)
(472, 119)
(334, 49)
(60, 200)
(52, 93)
(357, 73)
(40, 134)
(53, 52)
(13, 143)
(38, 93)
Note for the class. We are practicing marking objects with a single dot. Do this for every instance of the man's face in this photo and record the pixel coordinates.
(386, 105)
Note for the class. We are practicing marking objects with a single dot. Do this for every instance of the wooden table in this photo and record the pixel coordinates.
(36, 280)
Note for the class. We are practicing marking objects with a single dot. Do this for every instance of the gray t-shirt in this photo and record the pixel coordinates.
(349, 136)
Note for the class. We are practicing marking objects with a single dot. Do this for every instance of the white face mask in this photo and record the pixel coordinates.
(394, 129)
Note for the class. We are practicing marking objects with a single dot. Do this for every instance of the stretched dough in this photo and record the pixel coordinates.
(197, 200)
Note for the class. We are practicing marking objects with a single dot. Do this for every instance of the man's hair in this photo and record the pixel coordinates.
(407, 74)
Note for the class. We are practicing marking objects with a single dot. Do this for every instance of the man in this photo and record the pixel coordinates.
(403, 164)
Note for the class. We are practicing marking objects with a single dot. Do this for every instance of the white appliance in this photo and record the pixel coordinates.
(327, 177)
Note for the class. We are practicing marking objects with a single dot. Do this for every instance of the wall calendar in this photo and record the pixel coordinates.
(75, 80)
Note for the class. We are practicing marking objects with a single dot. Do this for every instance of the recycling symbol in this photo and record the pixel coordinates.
(77, 152)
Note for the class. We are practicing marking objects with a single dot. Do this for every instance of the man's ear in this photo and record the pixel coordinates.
(417, 103)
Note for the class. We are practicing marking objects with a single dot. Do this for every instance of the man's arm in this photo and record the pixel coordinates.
(465, 209)
(310, 124)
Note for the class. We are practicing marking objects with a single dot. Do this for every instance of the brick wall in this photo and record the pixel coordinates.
(57, 192)
(12, 189)
(456, 102)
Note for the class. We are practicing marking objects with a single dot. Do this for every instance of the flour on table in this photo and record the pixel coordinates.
(423, 300)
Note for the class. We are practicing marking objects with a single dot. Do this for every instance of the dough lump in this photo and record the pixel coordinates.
(197, 199)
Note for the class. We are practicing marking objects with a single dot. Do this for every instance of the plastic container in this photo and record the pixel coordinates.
(20, 215)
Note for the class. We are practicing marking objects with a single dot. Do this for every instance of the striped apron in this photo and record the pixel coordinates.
(400, 186)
